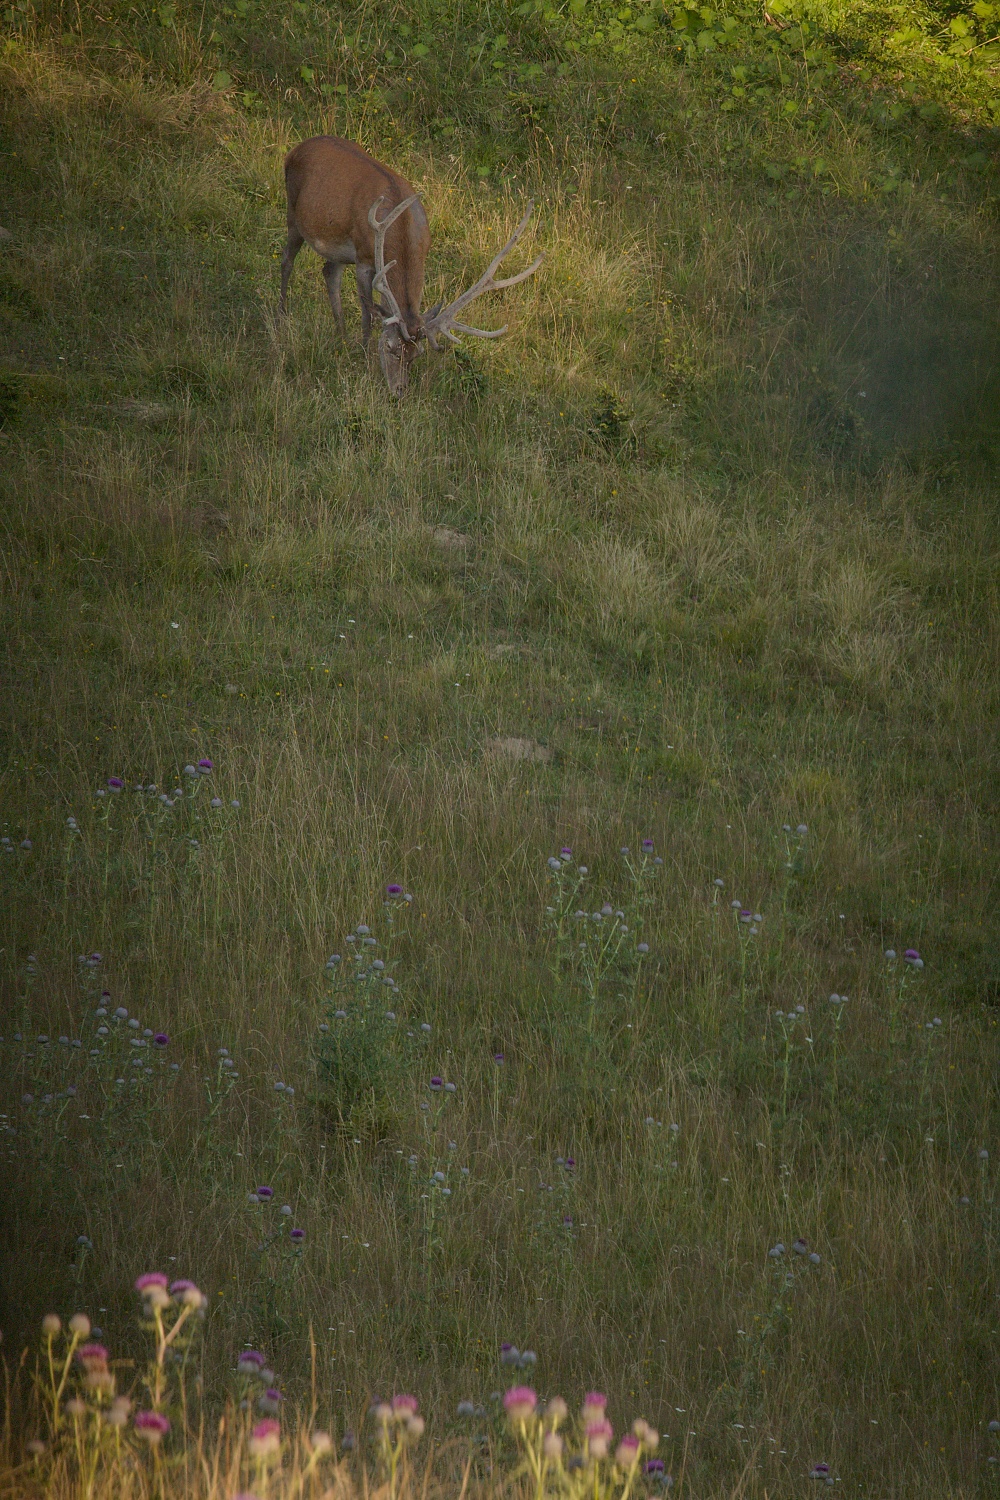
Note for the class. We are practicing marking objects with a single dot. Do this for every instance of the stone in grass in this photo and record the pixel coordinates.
(513, 748)
(450, 540)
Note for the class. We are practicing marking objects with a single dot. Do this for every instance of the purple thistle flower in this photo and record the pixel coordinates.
(394, 889)
(647, 846)
(160, 1039)
(182, 1286)
(566, 853)
(570, 1163)
(655, 1466)
(150, 1279)
(437, 1083)
(297, 1234)
(264, 1193)
(152, 1425)
(499, 1059)
(205, 766)
(820, 1471)
(115, 783)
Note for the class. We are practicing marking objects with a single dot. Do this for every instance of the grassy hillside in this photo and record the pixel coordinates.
(703, 551)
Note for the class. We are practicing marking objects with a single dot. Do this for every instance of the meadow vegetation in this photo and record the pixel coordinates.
(541, 834)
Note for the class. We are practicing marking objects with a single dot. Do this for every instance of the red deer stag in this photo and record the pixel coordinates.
(335, 196)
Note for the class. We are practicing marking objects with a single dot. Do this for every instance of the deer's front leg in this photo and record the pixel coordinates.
(365, 275)
(333, 272)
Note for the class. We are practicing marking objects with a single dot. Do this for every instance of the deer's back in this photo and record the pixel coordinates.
(332, 183)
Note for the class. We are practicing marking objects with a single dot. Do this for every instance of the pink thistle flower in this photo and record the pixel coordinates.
(599, 1435)
(404, 1406)
(151, 1426)
(265, 1438)
(151, 1279)
(627, 1452)
(520, 1402)
(92, 1355)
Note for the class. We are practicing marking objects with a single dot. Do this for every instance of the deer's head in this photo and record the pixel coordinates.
(400, 340)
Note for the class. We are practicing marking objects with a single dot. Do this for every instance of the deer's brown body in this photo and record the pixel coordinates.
(331, 185)
(352, 210)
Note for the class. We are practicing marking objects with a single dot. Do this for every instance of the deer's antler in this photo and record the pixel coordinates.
(381, 281)
(441, 322)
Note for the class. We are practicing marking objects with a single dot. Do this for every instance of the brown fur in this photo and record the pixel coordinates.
(331, 185)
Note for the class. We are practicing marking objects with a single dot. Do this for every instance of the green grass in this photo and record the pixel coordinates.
(710, 538)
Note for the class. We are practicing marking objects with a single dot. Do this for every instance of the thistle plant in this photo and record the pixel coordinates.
(399, 1428)
(581, 1465)
(173, 1312)
(899, 977)
(592, 947)
(364, 1049)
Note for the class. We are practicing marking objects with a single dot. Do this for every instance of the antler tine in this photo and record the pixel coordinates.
(446, 318)
(381, 281)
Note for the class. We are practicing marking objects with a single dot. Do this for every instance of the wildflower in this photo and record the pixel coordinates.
(565, 852)
(119, 1411)
(553, 863)
(348, 1441)
(557, 1411)
(642, 948)
(270, 1400)
(79, 1324)
(152, 1426)
(150, 1280)
(36, 1447)
(802, 829)
(465, 1409)
(115, 784)
(451, 1088)
(800, 1246)
(76, 1408)
(161, 1039)
(570, 1163)
(393, 889)
(413, 1428)
(594, 1406)
(437, 1083)
(509, 1354)
(994, 1426)
(655, 1468)
(984, 1155)
(627, 1452)
(264, 1193)
(890, 954)
(286, 1210)
(648, 1436)
(251, 1362)
(265, 1438)
(205, 766)
(821, 1472)
(51, 1325)
(777, 1251)
(298, 1235)
(499, 1059)
(92, 1356)
(647, 846)
(404, 1406)
(188, 1293)
(552, 1447)
(814, 1259)
(528, 1359)
(519, 1403)
(320, 1442)
(719, 883)
(599, 1435)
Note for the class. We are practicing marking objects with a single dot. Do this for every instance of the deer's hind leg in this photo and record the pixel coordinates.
(292, 248)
